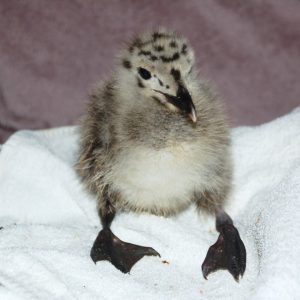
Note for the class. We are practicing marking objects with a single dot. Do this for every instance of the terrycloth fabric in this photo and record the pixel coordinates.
(50, 222)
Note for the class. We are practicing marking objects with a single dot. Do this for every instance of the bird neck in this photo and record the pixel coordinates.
(147, 121)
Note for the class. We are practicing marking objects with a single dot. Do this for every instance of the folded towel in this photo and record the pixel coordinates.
(49, 223)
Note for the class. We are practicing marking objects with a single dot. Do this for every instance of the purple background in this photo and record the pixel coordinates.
(53, 52)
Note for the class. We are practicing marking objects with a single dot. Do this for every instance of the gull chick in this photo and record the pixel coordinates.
(154, 139)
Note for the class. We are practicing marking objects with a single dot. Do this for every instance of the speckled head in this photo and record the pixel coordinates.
(159, 64)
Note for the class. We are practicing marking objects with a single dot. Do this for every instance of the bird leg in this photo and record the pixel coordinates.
(228, 252)
(109, 247)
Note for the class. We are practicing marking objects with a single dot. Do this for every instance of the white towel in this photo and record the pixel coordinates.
(50, 223)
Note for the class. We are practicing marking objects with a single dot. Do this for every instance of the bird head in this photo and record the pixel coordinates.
(159, 66)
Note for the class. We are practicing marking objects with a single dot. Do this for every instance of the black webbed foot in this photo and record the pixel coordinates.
(228, 253)
(122, 255)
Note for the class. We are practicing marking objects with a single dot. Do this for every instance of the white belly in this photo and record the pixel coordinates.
(158, 180)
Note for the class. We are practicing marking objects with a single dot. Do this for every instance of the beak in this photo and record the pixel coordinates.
(183, 101)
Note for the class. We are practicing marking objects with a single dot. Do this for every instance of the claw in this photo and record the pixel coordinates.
(227, 253)
(122, 255)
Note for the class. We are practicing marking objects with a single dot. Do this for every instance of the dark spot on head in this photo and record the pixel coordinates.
(143, 52)
(184, 49)
(140, 83)
(127, 64)
(160, 82)
(167, 86)
(173, 44)
(169, 59)
(157, 35)
(1, 227)
(158, 48)
(154, 75)
(176, 74)
(153, 58)
(137, 42)
(176, 56)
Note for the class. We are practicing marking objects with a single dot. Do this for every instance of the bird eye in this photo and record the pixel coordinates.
(145, 74)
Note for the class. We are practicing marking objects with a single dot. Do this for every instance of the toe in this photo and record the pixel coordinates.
(242, 252)
(237, 260)
(234, 268)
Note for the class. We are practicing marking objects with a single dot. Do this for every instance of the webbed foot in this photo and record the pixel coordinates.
(122, 255)
(228, 252)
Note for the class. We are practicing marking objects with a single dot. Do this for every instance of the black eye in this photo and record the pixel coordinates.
(145, 74)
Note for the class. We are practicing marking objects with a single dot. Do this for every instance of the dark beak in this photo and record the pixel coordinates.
(183, 101)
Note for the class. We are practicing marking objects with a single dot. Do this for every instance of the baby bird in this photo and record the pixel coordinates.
(155, 140)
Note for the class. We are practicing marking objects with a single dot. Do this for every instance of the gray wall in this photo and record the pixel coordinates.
(53, 52)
